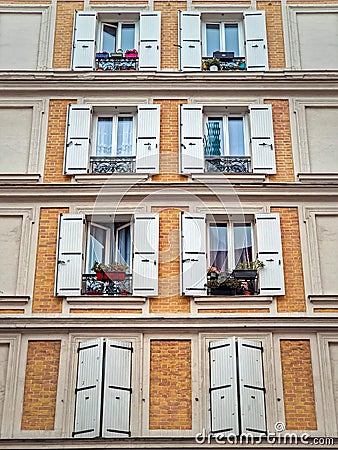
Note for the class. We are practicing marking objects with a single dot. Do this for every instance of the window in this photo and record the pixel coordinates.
(225, 243)
(112, 140)
(227, 139)
(237, 40)
(237, 392)
(103, 389)
(117, 36)
(131, 240)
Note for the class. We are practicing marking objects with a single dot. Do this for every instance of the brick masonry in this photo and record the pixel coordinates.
(299, 400)
(294, 298)
(41, 385)
(170, 385)
(44, 300)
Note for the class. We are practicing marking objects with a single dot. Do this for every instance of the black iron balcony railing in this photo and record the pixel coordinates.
(228, 164)
(116, 63)
(112, 164)
(92, 286)
(235, 63)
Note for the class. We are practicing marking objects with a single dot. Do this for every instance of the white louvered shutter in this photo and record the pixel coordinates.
(251, 387)
(148, 139)
(262, 139)
(84, 40)
(150, 41)
(117, 389)
(70, 254)
(269, 246)
(255, 40)
(78, 139)
(88, 389)
(192, 149)
(145, 263)
(193, 254)
(223, 387)
(190, 40)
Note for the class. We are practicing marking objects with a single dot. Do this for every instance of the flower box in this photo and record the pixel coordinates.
(221, 290)
(116, 55)
(244, 274)
(102, 55)
(131, 55)
(111, 275)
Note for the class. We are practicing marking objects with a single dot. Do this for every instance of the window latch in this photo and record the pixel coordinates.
(61, 262)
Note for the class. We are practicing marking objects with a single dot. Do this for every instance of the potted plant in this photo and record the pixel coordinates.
(247, 270)
(213, 272)
(117, 54)
(112, 271)
(131, 53)
(212, 64)
(224, 286)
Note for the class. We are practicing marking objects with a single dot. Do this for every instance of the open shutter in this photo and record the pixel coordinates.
(192, 150)
(84, 40)
(117, 389)
(69, 255)
(269, 245)
(262, 139)
(88, 389)
(148, 139)
(193, 254)
(223, 387)
(150, 37)
(255, 41)
(78, 139)
(251, 386)
(190, 40)
(145, 265)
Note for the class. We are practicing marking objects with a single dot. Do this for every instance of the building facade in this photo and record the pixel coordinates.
(168, 137)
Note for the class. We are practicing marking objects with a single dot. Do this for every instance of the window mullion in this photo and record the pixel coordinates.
(226, 136)
(114, 136)
(231, 245)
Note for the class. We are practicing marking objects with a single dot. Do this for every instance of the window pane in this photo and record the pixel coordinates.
(231, 38)
(214, 139)
(243, 243)
(218, 237)
(97, 244)
(104, 136)
(124, 245)
(236, 136)
(128, 36)
(213, 38)
(124, 136)
(109, 38)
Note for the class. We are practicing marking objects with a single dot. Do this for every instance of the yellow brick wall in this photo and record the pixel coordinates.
(275, 35)
(55, 148)
(170, 385)
(64, 33)
(169, 32)
(283, 146)
(169, 145)
(169, 300)
(41, 385)
(294, 298)
(299, 401)
(44, 300)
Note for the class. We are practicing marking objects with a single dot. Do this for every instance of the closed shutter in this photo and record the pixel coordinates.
(88, 389)
(148, 139)
(251, 386)
(193, 254)
(70, 255)
(223, 387)
(255, 41)
(190, 40)
(262, 139)
(150, 37)
(192, 149)
(269, 245)
(84, 40)
(117, 389)
(145, 263)
(78, 139)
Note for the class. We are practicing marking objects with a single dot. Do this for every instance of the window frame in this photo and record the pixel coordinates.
(222, 23)
(119, 26)
(115, 117)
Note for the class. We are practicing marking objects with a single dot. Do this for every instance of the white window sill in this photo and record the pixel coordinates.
(105, 300)
(111, 178)
(20, 178)
(324, 299)
(232, 178)
(318, 177)
(241, 299)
